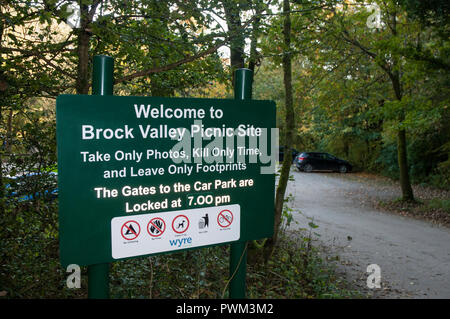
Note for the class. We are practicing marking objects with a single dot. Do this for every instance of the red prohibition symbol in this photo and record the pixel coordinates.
(225, 218)
(180, 224)
(156, 227)
(130, 230)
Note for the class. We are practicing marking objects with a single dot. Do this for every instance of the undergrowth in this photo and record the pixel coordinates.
(30, 266)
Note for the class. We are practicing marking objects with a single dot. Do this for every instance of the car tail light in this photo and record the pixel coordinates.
(301, 158)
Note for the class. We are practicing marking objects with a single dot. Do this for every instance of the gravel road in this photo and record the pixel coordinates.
(413, 255)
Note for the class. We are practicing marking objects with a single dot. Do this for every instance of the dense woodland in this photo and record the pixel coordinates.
(367, 81)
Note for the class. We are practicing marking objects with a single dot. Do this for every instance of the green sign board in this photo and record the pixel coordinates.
(146, 175)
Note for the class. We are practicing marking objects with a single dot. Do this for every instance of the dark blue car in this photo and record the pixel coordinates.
(315, 161)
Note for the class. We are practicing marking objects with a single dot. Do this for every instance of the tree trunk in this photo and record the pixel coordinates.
(405, 184)
(9, 133)
(289, 129)
(82, 81)
(253, 61)
(2, 188)
(84, 38)
(3, 88)
(402, 155)
(391, 67)
(237, 37)
(158, 81)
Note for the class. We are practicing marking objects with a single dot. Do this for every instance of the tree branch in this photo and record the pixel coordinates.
(365, 50)
(170, 66)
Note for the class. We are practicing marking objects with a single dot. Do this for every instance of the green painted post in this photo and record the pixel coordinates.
(238, 251)
(243, 80)
(102, 84)
(98, 281)
(102, 75)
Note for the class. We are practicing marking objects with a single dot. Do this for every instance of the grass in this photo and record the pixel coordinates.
(436, 210)
(293, 272)
(439, 204)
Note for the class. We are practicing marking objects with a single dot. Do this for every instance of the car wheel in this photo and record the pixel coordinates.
(343, 169)
(308, 168)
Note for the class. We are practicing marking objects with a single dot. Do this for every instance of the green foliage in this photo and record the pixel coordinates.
(296, 270)
(29, 252)
(344, 76)
(442, 204)
(429, 12)
(440, 177)
(387, 160)
(43, 56)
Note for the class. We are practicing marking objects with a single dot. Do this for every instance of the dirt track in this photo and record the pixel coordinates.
(414, 255)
